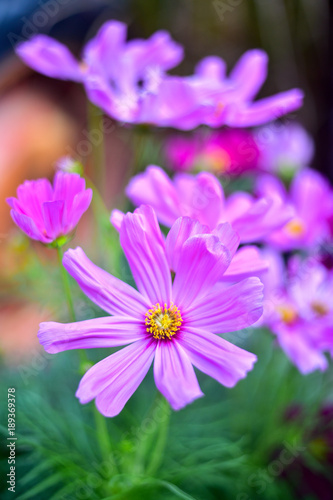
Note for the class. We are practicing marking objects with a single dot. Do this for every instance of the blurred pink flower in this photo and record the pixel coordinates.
(46, 213)
(311, 197)
(230, 152)
(173, 323)
(284, 149)
(128, 81)
(201, 197)
(298, 309)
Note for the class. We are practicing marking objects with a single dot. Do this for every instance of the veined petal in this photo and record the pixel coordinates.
(228, 308)
(53, 212)
(247, 262)
(111, 331)
(108, 292)
(181, 230)
(50, 57)
(202, 262)
(144, 247)
(201, 197)
(153, 187)
(113, 380)
(216, 357)
(174, 375)
(228, 237)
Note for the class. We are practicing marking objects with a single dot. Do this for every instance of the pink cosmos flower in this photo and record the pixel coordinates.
(173, 323)
(46, 213)
(128, 81)
(229, 100)
(229, 152)
(298, 309)
(311, 197)
(201, 197)
(284, 149)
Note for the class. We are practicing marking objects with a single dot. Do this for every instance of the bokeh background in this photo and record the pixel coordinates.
(43, 119)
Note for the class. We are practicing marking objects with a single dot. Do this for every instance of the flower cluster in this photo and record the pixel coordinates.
(129, 81)
(203, 275)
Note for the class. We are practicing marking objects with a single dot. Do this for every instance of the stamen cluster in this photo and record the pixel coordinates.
(163, 321)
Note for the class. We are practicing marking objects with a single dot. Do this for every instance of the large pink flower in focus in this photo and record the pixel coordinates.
(201, 197)
(173, 323)
(46, 213)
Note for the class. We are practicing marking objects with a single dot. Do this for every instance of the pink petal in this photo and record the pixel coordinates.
(144, 247)
(53, 215)
(27, 225)
(202, 262)
(108, 292)
(247, 262)
(113, 380)
(116, 219)
(265, 110)
(228, 237)
(228, 308)
(50, 57)
(216, 357)
(153, 187)
(182, 230)
(174, 375)
(98, 332)
(201, 197)
(250, 73)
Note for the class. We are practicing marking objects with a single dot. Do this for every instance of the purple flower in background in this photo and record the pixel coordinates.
(173, 323)
(229, 152)
(121, 77)
(46, 213)
(312, 199)
(298, 309)
(128, 81)
(228, 100)
(201, 197)
(284, 149)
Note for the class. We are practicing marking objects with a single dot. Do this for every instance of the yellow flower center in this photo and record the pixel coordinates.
(163, 321)
(295, 227)
(288, 314)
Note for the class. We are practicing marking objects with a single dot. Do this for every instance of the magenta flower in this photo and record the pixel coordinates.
(229, 152)
(298, 309)
(311, 197)
(46, 213)
(174, 323)
(201, 197)
(284, 149)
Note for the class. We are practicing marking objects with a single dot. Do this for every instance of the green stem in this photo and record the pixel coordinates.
(84, 361)
(103, 437)
(157, 455)
(96, 134)
(66, 284)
